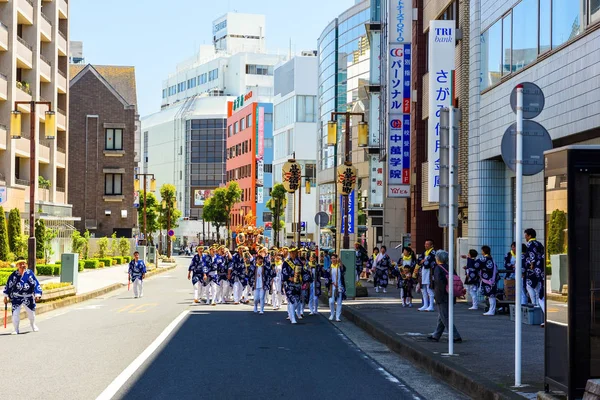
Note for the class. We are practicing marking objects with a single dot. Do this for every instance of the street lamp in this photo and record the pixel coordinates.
(346, 173)
(167, 204)
(15, 133)
(136, 187)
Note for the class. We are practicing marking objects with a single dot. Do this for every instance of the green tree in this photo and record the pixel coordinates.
(114, 244)
(4, 248)
(124, 247)
(168, 196)
(14, 229)
(78, 243)
(214, 212)
(233, 194)
(556, 234)
(40, 232)
(277, 204)
(49, 235)
(21, 247)
(152, 213)
(103, 248)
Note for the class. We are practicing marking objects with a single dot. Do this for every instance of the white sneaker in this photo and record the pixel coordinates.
(261, 312)
(384, 291)
(34, 328)
(473, 308)
(422, 308)
(338, 320)
(331, 318)
(488, 313)
(377, 289)
(299, 316)
(430, 309)
(14, 333)
(294, 322)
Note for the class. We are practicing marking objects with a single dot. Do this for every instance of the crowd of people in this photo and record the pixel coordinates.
(288, 276)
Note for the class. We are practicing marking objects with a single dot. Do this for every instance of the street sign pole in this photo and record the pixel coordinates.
(451, 217)
(319, 233)
(518, 229)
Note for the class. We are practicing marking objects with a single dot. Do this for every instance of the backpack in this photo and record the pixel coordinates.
(457, 285)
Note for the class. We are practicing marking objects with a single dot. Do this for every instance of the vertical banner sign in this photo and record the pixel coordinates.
(441, 62)
(260, 147)
(350, 213)
(376, 175)
(399, 98)
(259, 195)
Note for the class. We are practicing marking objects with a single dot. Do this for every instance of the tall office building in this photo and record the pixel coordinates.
(34, 50)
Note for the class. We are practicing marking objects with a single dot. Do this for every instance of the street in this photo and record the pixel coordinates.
(164, 346)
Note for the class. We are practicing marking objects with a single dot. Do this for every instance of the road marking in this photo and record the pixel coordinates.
(142, 308)
(125, 308)
(124, 376)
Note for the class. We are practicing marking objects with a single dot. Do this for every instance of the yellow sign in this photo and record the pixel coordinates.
(291, 174)
(346, 179)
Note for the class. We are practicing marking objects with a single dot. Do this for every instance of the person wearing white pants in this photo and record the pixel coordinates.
(426, 262)
(137, 273)
(335, 282)
(277, 283)
(488, 271)
(22, 289)
(315, 286)
(535, 269)
(472, 277)
(195, 274)
(259, 280)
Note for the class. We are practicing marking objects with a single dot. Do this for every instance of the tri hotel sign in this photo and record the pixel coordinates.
(399, 89)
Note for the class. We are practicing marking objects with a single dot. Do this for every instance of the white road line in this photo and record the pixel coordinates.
(120, 380)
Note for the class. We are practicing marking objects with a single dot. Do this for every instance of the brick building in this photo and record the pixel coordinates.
(103, 125)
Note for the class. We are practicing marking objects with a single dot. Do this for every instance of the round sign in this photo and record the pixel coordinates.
(171, 232)
(533, 100)
(322, 219)
(536, 140)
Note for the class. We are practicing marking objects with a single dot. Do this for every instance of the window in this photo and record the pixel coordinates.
(268, 168)
(202, 79)
(191, 83)
(593, 11)
(545, 6)
(235, 128)
(112, 184)
(524, 34)
(284, 113)
(268, 143)
(229, 130)
(214, 74)
(491, 48)
(565, 22)
(310, 170)
(506, 45)
(114, 139)
(242, 124)
(268, 117)
(181, 87)
(306, 109)
(254, 69)
(164, 93)
(249, 120)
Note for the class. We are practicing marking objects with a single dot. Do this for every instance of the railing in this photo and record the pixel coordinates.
(61, 73)
(2, 126)
(3, 26)
(24, 87)
(60, 149)
(62, 35)
(46, 18)
(46, 59)
(60, 189)
(3, 76)
(60, 110)
(22, 182)
(24, 43)
(30, 2)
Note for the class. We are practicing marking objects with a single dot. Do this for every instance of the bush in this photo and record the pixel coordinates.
(14, 229)
(92, 263)
(5, 264)
(45, 269)
(50, 286)
(4, 277)
(124, 247)
(58, 262)
(101, 264)
(548, 271)
(103, 247)
(127, 259)
(40, 232)
(81, 265)
(107, 261)
(113, 262)
(56, 270)
(4, 249)
(119, 260)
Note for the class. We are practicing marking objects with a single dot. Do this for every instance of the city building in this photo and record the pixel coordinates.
(103, 122)
(554, 45)
(295, 131)
(195, 102)
(34, 50)
(250, 158)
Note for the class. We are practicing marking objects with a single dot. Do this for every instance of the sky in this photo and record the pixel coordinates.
(155, 35)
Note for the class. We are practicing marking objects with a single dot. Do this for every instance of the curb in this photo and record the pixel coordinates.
(434, 364)
(42, 308)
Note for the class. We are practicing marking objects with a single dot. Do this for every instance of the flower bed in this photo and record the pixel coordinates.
(55, 291)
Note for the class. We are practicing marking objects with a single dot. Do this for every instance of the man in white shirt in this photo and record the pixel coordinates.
(335, 282)
(259, 284)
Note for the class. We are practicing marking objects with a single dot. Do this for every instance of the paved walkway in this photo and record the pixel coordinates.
(91, 279)
(487, 350)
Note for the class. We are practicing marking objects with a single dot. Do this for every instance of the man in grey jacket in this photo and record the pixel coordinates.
(440, 281)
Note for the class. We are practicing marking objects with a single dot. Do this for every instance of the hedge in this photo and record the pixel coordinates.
(4, 277)
(106, 261)
(119, 259)
(7, 269)
(91, 263)
(58, 262)
(45, 269)
(127, 259)
(81, 265)
(5, 264)
(101, 264)
(113, 262)
(56, 270)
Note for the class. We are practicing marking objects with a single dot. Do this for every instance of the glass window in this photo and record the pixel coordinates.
(112, 184)
(268, 143)
(525, 33)
(544, 25)
(565, 21)
(243, 124)
(594, 11)
(506, 44)
(249, 120)
(235, 128)
(268, 117)
(491, 49)
(114, 139)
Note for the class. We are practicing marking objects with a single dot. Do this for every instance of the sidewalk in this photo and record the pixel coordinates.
(484, 367)
(92, 279)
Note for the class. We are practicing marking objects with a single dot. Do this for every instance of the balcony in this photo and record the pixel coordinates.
(3, 136)
(25, 12)
(61, 81)
(61, 158)
(22, 182)
(60, 196)
(61, 119)
(45, 28)
(23, 94)
(43, 155)
(61, 44)
(45, 69)
(24, 54)
(63, 9)
(21, 147)
(3, 37)
(3, 87)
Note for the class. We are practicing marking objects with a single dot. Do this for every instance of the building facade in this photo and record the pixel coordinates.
(103, 126)
(250, 158)
(34, 67)
(554, 45)
(295, 131)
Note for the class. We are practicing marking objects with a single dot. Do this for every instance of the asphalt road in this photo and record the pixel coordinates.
(163, 347)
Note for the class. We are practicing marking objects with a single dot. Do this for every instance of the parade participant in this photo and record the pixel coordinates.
(371, 264)
(535, 270)
(472, 279)
(426, 263)
(264, 252)
(285, 253)
(195, 273)
(218, 266)
(292, 278)
(336, 286)
(248, 262)
(306, 281)
(406, 281)
(259, 281)
(360, 258)
(237, 276)
(137, 273)
(315, 286)
(22, 289)
(277, 282)
(488, 272)
(383, 263)
(224, 274)
(510, 261)
(209, 269)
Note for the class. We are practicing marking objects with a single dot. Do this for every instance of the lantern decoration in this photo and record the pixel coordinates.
(346, 178)
(50, 125)
(363, 134)
(136, 185)
(15, 124)
(291, 175)
(153, 185)
(331, 133)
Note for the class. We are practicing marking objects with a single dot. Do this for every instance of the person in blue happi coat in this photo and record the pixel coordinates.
(316, 271)
(237, 272)
(137, 273)
(535, 269)
(22, 289)
(195, 273)
(306, 280)
(292, 278)
(260, 277)
(335, 282)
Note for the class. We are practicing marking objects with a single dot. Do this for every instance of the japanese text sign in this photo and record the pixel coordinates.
(290, 176)
(346, 179)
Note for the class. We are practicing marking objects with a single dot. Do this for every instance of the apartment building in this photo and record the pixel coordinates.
(34, 50)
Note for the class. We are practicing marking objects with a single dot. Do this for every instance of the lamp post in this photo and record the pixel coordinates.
(332, 140)
(15, 133)
(136, 187)
(167, 204)
(307, 188)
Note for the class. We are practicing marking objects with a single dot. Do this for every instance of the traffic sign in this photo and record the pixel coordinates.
(322, 219)
(536, 140)
(533, 100)
(171, 232)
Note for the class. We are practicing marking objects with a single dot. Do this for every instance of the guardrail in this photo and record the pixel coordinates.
(24, 43)
(23, 182)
